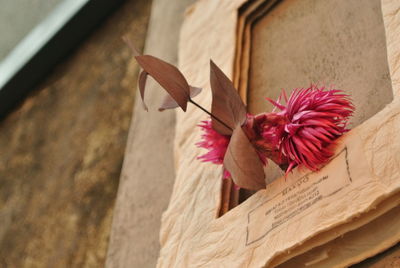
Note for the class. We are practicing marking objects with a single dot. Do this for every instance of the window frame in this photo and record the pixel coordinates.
(46, 44)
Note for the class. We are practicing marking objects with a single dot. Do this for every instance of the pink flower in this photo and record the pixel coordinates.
(300, 134)
(315, 118)
(215, 143)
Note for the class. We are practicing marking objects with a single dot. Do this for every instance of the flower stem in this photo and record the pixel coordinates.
(210, 114)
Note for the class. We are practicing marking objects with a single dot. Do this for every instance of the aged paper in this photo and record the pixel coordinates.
(298, 220)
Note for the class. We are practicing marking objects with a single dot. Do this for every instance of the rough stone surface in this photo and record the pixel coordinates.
(62, 152)
(147, 178)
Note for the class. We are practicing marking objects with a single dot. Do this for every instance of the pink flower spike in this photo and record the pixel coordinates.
(315, 119)
(215, 143)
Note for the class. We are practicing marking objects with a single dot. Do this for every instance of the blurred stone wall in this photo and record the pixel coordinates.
(61, 151)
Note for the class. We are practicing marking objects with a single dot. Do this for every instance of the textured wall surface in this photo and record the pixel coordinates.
(147, 177)
(61, 151)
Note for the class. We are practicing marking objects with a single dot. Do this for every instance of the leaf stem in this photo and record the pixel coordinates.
(210, 114)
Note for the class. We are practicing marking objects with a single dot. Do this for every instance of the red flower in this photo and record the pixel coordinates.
(315, 118)
(255, 128)
(215, 143)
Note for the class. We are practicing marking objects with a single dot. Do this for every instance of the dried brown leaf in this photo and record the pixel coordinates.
(170, 103)
(226, 102)
(168, 76)
(194, 91)
(243, 162)
(142, 86)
